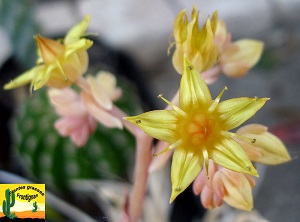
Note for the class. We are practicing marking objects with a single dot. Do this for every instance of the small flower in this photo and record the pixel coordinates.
(80, 112)
(238, 57)
(224, 185)
(194, 43)
(59, 63)
(75, 121)
(199, 129)
(268, 148)
(99, 93)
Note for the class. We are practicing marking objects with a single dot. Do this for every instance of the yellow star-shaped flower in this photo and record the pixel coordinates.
(198, 129)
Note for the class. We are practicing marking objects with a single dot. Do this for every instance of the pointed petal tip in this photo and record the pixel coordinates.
(175, 193)
(132, 119)
(186, 61)
(87, 17)
(6, 86)
(128, 118)
(172, 198)
(252, 171)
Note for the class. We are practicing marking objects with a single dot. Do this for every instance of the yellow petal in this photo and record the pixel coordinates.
(180, 27)
(159, 124)
(41, 78)
(251, 151)
(252, 129)
(222, 38)
(231, 155)
(239, 57)
(23, 79)
(194, 92)
(193, 38)
(238, 195)
(49, 49)
(196, 59)
(205, 45)
(82, 44)
(272, 151)
(178, 58)
(77, 31)
(236, 111)
(214, 21)
(186, 166)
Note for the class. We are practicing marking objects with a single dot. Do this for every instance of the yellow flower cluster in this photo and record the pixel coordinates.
(199, 128)
(195, 43)
(211, 45)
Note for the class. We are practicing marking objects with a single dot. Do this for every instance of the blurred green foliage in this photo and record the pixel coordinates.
(17, 19)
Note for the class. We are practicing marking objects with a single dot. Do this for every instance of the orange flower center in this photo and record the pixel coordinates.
(198, 130)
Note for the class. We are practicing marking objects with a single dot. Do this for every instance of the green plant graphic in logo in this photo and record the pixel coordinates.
(7, 204)
(35, 207)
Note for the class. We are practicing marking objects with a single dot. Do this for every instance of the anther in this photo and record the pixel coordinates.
(190, 67)
(253, 140)
(138, 121)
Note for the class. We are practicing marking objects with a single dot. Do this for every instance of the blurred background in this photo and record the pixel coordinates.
(131, 40)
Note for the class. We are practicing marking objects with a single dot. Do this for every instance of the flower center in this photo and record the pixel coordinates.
(200, 129)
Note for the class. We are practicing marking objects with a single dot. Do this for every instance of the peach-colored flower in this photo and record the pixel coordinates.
(75, 121)
(80, 112)
(221, 185)
(98, 96)
(236, 58)
(268, 148)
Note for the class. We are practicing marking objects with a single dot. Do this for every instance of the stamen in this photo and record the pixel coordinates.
(176, 144)
(206, 161)
(217, 100)
(176, 108)
(138, 121)
(31, 88)
(165, 150)
(61, 70)
(250, 140)
(171, 46)
(172, 146)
